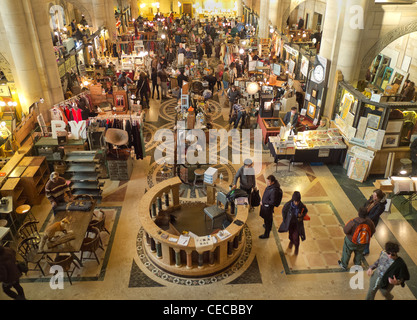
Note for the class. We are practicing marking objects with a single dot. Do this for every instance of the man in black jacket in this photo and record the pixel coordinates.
(234, 95)
(271, 198)
(10, 274)
(388, 271)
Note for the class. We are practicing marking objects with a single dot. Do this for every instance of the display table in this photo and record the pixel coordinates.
(326, 156)
(269, 130)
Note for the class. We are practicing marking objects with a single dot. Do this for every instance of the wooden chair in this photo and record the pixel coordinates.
(28, 248)
(29, 229)
(99, 222)
(91, 244)
(64, 261)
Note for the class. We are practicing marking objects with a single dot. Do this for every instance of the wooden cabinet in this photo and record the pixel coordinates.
(13, 187)
(34, 180)
(26, 183)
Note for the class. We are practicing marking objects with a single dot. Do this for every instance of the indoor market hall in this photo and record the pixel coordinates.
(208, 150)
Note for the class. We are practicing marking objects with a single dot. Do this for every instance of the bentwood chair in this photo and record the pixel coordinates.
(64, 261)
(91, 244)
(29, 250)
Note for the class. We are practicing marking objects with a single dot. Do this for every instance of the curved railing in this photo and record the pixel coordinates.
(190, 260)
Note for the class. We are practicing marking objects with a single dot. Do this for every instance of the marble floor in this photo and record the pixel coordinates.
(268, 269)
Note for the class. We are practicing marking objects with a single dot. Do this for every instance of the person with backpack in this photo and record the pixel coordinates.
(271, 198)
(388, 271)
(293, 214)
(10, 274)
(375, 206)
(358, 234)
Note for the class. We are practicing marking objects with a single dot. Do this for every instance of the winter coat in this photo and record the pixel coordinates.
(376, 210)
(272, 195)
(247, 181)
(288, 215)
(9, 272)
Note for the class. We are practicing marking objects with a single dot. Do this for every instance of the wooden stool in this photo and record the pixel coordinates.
(24, 211)
(199, 174)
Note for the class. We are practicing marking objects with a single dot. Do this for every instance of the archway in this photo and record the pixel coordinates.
(382, 43)
(80, 7)
(295, 4)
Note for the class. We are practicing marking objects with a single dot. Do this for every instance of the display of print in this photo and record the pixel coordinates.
(373, 121)
(311, 110)
(391, 140)
(359, 169)
(346, 104)
(395, 126)
(304, 66)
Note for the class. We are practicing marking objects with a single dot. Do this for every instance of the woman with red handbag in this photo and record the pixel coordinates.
(293, 214)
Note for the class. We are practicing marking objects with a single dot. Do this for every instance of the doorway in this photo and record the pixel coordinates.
(187, 8)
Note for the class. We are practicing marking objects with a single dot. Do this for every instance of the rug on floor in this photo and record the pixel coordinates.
(91, 271)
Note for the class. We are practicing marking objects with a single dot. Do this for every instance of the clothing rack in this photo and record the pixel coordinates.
(80, 95)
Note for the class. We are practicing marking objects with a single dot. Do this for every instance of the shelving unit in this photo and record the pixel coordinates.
(26, 183)
(34, 178)
(13, 187)
(83, 170)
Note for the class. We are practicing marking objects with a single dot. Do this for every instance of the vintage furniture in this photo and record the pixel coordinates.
(64, 261)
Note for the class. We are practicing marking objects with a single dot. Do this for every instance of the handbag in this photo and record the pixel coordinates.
(306, 217)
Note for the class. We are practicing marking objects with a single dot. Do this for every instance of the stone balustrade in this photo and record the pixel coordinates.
(190, 260)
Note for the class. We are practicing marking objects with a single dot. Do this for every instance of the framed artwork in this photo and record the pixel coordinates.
(391, 140)
(399, 77)
(373, 121)
(395, 126)
(314, 93)
(311, 110)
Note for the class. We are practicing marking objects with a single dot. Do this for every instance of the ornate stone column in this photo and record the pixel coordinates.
(263, 32)
(29, 40)
(99, 8)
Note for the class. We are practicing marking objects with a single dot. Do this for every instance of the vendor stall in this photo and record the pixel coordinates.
(383, 128)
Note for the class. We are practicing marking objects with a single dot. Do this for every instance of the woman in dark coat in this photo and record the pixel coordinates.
(293, 214)
(375, 207)
(209, 49)
(10, 274)
(200, 52)
(143, 90)
(271, 198)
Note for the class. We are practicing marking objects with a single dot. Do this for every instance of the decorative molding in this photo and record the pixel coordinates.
(383, 42)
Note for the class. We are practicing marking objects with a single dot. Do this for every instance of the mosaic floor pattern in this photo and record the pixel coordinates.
(137, 278)
(323, 245)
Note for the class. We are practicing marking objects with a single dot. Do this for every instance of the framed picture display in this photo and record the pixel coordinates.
(391, 140)
(314, 93)
(395, 126)
(311, 110)
(373, 121)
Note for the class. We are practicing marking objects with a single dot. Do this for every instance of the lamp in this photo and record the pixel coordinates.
(252, 88)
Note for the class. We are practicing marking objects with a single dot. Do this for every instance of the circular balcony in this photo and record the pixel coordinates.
(196, 259)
